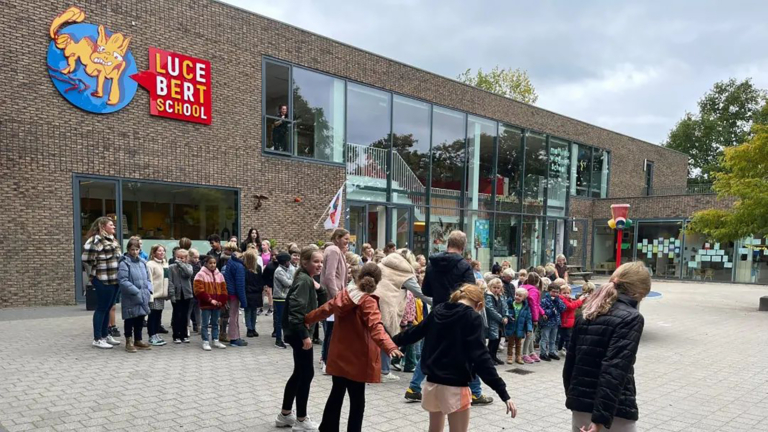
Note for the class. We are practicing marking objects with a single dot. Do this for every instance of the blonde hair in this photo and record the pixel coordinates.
(353, 263)
(550, 268)
(494, 282)
(232, 247)
(560, 282)
(182, 252)
(565, 289)
(194, 252)
(631, 279)
(378, 256)
(588, 288)
(523, 272)
(488, 276)
(522, 291)
(540, 270)
(410, 257)
(457, 240)
(474, 263)
(557, 258)
(250, 259)
(545, 281)
(509, 272)
(470, 292)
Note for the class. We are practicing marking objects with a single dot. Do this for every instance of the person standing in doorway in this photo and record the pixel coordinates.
(101, 258)
(334, 279)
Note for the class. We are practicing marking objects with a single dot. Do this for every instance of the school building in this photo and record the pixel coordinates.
(187, 118)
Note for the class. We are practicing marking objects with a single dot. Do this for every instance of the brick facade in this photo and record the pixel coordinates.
(45, 139)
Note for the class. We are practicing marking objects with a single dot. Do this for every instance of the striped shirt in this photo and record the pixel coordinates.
(101, 256)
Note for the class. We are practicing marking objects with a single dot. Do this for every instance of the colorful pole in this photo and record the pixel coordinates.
(618, 247)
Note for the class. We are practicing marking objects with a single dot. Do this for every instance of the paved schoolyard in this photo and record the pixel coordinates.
(702, 366)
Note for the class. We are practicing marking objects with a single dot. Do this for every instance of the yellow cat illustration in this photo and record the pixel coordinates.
(103, 59)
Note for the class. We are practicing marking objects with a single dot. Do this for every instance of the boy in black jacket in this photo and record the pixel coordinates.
(453, 350)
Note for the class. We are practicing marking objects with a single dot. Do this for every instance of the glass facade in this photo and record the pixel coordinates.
(535, 173)
(509, 169)
(318, 115)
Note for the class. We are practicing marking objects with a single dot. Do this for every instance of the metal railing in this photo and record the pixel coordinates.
(695, 189)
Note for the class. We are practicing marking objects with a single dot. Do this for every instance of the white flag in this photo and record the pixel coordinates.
(334, 211)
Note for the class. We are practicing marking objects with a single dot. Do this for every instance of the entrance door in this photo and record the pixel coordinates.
(94, 198)
(402, 226)
(356, 224)
(378, 224)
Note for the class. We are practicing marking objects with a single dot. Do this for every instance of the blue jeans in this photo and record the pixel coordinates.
(210, 316)
(250, 318)
(106, 296)
(384, 362)
(279, 306)
(418, 378)
(548, 340)
(327, 332)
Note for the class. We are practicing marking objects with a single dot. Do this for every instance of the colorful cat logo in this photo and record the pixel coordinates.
(82, 53)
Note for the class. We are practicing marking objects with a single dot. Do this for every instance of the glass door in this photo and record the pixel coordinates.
(94, 198)
(402, 226)
(356, 223)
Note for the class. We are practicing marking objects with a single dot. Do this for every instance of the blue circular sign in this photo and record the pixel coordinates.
(80, 86)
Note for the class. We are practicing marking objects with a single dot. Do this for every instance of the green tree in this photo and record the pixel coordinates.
(511, 83)
(726, 114)
(744, 176)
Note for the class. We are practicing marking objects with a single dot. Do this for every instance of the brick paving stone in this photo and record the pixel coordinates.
(686, 379)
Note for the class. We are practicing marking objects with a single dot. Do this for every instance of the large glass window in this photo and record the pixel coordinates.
(581, 169)
(448, 133)
(704, 259)
(168, 212)
(509, 169)
(410, 142)
(533, 230)
(599, 178)
(442, 221)
(559, 176)
(481, 134)
(318, 113)
(535, 173)
(604, 247)
(506, 234)
(660, 247)
(752, 260)
(277, 112)
(368, 116)
(477, 226)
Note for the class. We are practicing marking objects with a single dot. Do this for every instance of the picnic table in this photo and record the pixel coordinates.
(579, 272)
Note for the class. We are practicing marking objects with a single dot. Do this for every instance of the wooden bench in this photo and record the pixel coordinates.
(583, 274)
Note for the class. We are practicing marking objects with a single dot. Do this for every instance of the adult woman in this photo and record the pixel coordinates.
(280, 130)
(561, 267)
(302, 298)
(101, 258)
(334, 279)
(158, 273)
(253, 237)
(599, 368)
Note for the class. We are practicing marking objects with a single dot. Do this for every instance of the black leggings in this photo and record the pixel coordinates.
(298, 384)
(133, 326)
(153, 323)
(332, 412)
(493, 347)
(179, 319)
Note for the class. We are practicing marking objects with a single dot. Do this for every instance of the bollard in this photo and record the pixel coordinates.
(763, 304)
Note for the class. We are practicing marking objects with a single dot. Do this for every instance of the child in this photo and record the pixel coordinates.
(194, 308)
(283, 280)
(550, 322)
(158, 273)
(234, 275)
(254, 288)
(476, 270)
(522, 276)
(221, 265)
(496, 311)
(568, 317)
(409, 356)
(302, 298)
(136, 288)
(180, 291)
(357, 339)
(266, 258)
(211, 294)
(519, 327)
(532, 285)
(453, 351)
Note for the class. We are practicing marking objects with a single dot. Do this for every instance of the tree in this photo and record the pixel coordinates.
(744, 176)
(726, 114)
(513, 84)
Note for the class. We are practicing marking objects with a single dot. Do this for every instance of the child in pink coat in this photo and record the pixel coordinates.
(533, 285)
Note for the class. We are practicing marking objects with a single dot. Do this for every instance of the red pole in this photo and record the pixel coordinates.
(618, 247)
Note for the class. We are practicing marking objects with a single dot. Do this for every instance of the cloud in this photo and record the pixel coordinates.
(633, 67)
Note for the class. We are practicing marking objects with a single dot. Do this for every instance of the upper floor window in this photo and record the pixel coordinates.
(590, 169)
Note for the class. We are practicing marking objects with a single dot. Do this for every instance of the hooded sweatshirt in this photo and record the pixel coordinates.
(534, 299)
(446, 272)
(395, 270)
(454, 348)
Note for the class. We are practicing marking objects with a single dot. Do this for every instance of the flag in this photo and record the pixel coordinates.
(334, 211)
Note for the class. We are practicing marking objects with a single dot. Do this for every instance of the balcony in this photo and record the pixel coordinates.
(696, 189)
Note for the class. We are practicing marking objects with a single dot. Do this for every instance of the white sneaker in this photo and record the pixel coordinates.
(206, 346)
(101, 343)
(324, 372)
(390, 377)
(112, 341)
(283, 420)
(306, 425)
(217, 344)
(185, 340)
(177, 341)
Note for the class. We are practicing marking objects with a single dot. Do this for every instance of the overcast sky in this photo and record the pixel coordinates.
(633, 67)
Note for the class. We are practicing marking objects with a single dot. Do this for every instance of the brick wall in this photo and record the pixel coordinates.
(45, 139)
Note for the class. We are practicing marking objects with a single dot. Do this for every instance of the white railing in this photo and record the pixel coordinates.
(366, 161)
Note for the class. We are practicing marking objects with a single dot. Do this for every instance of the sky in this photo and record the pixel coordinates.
(632, 67)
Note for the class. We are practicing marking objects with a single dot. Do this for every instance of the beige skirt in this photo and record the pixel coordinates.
(445, 399)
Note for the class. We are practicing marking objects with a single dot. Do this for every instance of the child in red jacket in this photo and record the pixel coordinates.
(568, 317)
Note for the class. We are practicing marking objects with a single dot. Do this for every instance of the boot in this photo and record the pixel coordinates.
(141, 345)
(129, 345)
(518, 343)
(510, 352)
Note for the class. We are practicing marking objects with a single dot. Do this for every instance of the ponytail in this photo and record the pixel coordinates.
(631, 279)
(470, 292)
(601, 302)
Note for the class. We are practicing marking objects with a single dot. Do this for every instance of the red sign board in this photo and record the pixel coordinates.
(179, 86)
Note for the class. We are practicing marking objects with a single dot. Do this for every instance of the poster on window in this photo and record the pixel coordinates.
(482, 229)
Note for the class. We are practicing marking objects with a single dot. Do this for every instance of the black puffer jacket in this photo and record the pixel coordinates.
(599, 368)
(446, 272)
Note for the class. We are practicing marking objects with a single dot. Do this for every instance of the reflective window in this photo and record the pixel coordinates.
(368, 116)
(604, 247)
(559, 176)
(535, 173)
(477, 226)
(410, 141)
(533, 231)
(277, 113)
(599, 179)
(751, 260)
(481, 134)
(509, 169)
(660, 247)
(318, 113)
(704, 259)
(442, 221)
(581, 169)
(448, 132)
(506, 233)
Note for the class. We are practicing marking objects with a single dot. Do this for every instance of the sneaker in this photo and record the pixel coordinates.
(217, 344)
(156, 341)
(324, 371)
(114, 331)
(280, 344)
(260, 311)
(317, 341)
(481, 400)
(397, 367)
(238, 342)
(553, 356)
(160, 338)
(101, 343)
(527, 360)
(389, 377)
(535, 358)
(306, 425)
(412, 396)
(255, 333)
(185, 340)
(409, 370)
(206, 346)
(112, 341)
(162, 330)
(249, 333)
(283, 420)
(497, 361)
(544, 357)
(176, 341)
(274, 334)
(269, 312)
